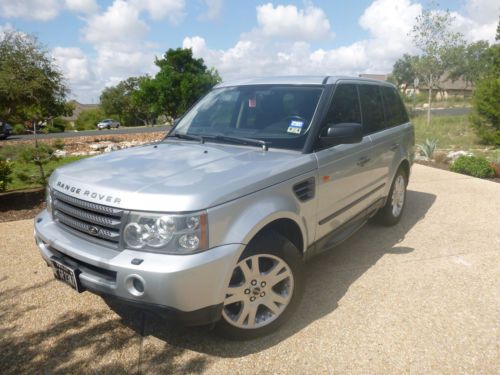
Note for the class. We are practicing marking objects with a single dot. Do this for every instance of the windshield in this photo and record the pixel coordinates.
(279, 115)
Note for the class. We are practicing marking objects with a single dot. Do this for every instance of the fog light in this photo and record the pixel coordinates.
(138, 285)
(135, 285)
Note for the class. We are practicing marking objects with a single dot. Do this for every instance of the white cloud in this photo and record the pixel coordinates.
(159, 9)
(479, 20)
(275, 49)
(119, 23)
(41, 10)
(214, 8)
(44, 10)
(263, 52)
(82, 6)
(483, 11)
(73, 63)
(287, 21)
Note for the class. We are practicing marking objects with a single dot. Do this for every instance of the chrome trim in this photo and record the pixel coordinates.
(90, 217)
(88, 229)
(91, 221)
(87, 205)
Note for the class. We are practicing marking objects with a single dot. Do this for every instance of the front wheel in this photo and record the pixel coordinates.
(391, 213)
(265, 287)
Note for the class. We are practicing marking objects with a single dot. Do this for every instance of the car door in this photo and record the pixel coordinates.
(344, 175)
(386, 139)
(382, 139)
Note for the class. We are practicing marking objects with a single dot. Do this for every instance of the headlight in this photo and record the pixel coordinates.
(48, 199)
(173, 234)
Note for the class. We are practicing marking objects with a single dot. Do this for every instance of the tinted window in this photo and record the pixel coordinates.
(373, 110)
(278, 114)
(395, 113)
(345, 106)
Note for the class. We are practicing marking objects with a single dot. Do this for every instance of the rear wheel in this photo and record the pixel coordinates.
(265, 287)
(391, 213)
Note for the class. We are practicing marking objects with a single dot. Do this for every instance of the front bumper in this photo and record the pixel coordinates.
(189, 287)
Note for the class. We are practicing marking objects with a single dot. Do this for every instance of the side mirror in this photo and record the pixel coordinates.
(339, 134)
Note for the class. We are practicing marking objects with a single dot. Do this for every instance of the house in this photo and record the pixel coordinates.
(79, 108)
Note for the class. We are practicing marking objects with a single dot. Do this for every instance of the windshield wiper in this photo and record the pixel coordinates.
(240, 140)
(189, 137)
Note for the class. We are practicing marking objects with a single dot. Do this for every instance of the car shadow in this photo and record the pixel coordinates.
(329, 277)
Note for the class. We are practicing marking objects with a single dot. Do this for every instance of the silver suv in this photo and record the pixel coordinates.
(213, 224)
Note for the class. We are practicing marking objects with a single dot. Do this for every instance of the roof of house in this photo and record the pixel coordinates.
(79, 108)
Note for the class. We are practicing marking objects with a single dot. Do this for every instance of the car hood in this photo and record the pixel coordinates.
(178, 176)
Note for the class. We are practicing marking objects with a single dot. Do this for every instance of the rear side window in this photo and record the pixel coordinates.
(395, 113)
(345, 106)
(372, 108)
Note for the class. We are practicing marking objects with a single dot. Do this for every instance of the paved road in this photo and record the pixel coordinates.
(121, 130)
(419, 298)
(446, 111)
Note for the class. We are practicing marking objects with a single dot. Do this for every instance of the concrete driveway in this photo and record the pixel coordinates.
(420, 298)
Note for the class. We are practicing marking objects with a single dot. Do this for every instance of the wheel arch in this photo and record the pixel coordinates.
(286, 227)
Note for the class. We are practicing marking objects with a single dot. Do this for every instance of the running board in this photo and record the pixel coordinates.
(342, 233)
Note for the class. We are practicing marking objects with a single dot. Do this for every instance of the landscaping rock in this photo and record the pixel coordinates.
(60, 153)
(111, 147)
(98, 146)
(454, 155)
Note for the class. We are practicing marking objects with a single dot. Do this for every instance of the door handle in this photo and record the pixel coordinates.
(395, 146)
(363, 160)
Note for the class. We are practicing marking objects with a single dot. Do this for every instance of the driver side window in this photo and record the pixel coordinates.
(345, 106)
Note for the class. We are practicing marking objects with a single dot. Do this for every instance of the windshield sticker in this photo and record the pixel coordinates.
(295, 127)
(252, 102)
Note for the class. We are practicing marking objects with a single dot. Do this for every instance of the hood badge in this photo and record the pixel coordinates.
(96, 196)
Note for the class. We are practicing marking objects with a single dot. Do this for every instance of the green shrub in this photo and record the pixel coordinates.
(5, 174)
(58, 125)
(473, 166)
(88, 119)
(486, 110)
(18, 129)
(39, 156)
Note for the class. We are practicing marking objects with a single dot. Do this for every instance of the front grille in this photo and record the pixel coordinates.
(90, 219)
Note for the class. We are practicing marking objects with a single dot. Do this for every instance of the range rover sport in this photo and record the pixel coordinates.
(213, 224)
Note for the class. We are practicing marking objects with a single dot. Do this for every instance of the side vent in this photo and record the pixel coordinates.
(304, 190)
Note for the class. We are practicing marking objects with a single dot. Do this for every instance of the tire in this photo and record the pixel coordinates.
(270, 301)
(391, 213)
(108, 127)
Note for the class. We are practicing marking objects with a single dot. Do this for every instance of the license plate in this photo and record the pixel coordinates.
(66, 274)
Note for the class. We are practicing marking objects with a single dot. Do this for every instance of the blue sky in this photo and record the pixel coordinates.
(98, 43)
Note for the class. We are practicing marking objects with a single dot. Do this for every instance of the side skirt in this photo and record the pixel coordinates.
(346, 230)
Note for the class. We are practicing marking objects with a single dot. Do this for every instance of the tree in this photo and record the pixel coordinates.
(470, 62)
(432, 35)
(131, 101)
(144, 100)
(89, 118)
(31, 86)
(404, 72)
(485, 117)
(181, 81)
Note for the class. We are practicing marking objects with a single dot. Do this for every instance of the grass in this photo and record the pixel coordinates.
(32, 169)
(452, 133)
(12, 152)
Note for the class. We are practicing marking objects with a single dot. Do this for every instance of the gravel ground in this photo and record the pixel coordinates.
(419, 298)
